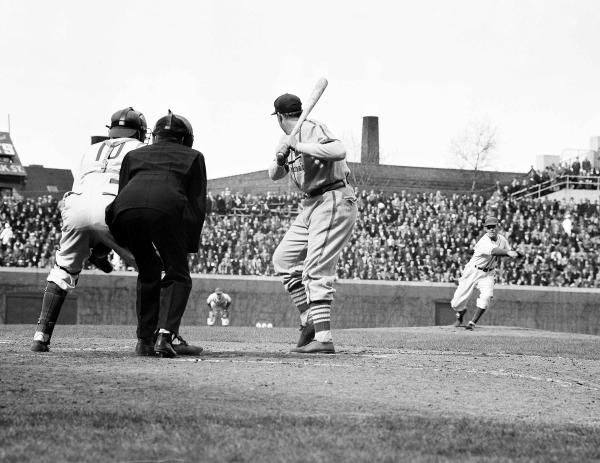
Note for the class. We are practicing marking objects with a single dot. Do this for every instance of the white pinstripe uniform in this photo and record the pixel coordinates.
(95, 186)
(479, 273)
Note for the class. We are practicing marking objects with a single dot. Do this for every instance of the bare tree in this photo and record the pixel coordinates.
(475, 147)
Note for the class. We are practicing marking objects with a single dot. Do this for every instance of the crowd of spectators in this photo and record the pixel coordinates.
(555, 173)
(400, 236)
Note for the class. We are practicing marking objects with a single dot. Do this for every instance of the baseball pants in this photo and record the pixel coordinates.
(83, 227)
(473, 278)
(311, 247)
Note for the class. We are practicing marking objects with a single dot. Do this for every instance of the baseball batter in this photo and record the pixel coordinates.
(83, 225)
(218, 306)
(480, 272)
(309, 251)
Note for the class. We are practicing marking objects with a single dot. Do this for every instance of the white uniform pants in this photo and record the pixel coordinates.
(83, 226)
(470, 279)
(312, 246)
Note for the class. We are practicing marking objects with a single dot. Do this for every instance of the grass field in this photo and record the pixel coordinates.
(394, 394)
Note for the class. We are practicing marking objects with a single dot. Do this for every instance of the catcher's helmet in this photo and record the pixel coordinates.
(128, 123)
(175, 126)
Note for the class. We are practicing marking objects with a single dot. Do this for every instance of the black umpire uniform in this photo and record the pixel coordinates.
(158, 214)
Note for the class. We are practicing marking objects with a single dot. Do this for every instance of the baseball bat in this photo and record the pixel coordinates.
(318, 90)
(320, 87)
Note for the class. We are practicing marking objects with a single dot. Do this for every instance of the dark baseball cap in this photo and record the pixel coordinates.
(490, 221)
(287, 103)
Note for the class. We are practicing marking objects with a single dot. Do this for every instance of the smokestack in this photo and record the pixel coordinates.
(369, 153)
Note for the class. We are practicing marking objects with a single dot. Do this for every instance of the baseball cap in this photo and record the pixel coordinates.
(287, 103)
(490, 221)
(218, 290)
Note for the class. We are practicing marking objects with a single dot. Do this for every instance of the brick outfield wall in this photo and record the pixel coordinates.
(110, 299)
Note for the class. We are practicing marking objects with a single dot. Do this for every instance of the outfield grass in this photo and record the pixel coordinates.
(403, 394)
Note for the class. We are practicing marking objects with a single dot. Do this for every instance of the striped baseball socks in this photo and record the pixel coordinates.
(298, 295)
(320, 314)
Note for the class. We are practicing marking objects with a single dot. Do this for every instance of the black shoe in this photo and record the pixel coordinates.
(163, 346)
(181, 347)
(40, 346)
(145, 348)
(316, 347)
(307, 334)
(470, 326)
(101, 263)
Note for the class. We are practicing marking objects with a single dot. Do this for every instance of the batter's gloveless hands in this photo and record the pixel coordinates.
(512, 254)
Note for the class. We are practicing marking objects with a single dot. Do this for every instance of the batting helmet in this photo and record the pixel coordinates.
(175, 126)
(128, 123)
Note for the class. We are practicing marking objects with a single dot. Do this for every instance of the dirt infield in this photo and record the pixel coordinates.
(419, 394)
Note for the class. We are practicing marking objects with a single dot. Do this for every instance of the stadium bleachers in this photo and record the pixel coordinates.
(400, 236)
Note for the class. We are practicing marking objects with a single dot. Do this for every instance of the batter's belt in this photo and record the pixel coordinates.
(325, 189)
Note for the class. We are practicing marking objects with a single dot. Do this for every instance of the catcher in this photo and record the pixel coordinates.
(480, 272)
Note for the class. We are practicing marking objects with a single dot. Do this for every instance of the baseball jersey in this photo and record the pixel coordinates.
(219, 300)
(100, 166)
(482, 253)
(308, 172)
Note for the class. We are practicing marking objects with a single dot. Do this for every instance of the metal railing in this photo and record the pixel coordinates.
(581, 182)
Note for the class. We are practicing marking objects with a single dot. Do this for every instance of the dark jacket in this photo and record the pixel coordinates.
(167, 177)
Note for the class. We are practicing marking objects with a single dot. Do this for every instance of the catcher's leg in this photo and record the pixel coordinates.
(54, 297)
(74, 249)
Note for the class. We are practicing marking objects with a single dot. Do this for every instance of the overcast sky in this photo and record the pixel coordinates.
(427, 69)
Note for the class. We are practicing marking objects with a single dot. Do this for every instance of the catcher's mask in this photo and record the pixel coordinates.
(175, 126)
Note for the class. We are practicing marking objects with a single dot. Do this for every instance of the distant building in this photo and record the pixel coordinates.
(29, 181)
(12, 173)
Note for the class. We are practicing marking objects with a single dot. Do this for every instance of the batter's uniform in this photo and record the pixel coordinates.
(83, 224)
(479, 273)
(219, 304)
(309, 251)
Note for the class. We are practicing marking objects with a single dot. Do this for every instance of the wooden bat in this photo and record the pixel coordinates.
(320, 87)
(318, 90)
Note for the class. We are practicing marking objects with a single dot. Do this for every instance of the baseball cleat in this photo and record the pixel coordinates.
(307, 334)
(40, 346)
(182, 347)
(316, 347)
(101, 263)
(163, 346)
(145, 348)
(470, 326)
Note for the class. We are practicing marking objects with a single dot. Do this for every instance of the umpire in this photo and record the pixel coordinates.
(158, 214)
